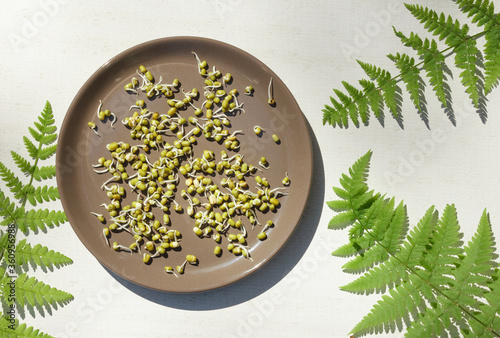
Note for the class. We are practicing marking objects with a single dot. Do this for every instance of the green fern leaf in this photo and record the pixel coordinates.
(463, 289)
(24, 165)
(342, 220)
(41, 194)
(30, 147)
(412, 250)
(483, 14)
(465, 59)
(13, 215)
(43, 173)
(340, 116)
(11, 181)
(7, 208)
(433, 61)
(410, 75)
(374, 96)
(454, 36)
(445, 249)
(360, 100)
(20, 330)
(46, 129)
(360, 239)
(349, 106)
(40, 255)
(46, 120)
(36, 135)
(492, 59)
(46, 152)
(31, 291)
(42, 138)
(39, 219)
(386, 84)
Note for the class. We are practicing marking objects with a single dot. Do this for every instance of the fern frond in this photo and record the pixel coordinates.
(349, 106)
(40, 255)
(41, 194)
(458, 42)
(31, 291)
(20, 330)
(432, 281)
(39, 219)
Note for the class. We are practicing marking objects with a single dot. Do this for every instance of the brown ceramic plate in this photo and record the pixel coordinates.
(79, 147)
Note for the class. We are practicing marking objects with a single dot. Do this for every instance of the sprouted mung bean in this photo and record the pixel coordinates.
(155, 183)
(270, 93)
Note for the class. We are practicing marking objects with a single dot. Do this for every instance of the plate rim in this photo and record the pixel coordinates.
(115, 59)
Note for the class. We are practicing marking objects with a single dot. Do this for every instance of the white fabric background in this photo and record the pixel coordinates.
(50, 47)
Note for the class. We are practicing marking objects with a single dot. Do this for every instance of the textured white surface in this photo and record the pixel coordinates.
(50, 47)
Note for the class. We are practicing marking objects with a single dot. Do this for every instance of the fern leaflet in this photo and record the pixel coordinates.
(31, 291)
(40, 255)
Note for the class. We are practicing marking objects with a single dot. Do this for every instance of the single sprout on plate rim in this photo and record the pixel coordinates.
(270, 93)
